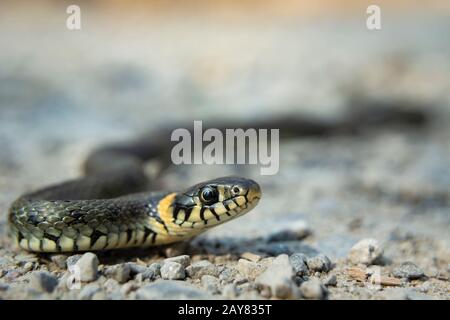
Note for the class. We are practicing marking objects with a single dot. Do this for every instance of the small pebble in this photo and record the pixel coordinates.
(425, 287)
(298, 263)
(43, 281)
(227, 275)
(136, 268)
(320, 263)
(86, 267)
(279, 277)
(367, 251)
(151, 272)
(119, 272)
(250, 269)
(210, 284)
(155, 268)
(70, 261)
(184, 260)
(331, 281)
(201, 268)
(313, 289)
(173, 271)
(409, 271)
(28, 266)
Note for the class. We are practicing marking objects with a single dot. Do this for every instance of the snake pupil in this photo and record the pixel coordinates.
(208, 195)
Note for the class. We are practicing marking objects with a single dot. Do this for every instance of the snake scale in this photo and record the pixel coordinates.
(109, 207)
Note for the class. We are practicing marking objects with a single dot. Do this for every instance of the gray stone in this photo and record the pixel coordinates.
(250, 269)
(70, 261)
(173, 271)
(331, 281)
(366, 251)
(184, 260)
(155, 268)
(279, 279)
(87, 267)
(148, 274)
(298, 263)
(228, 275)
(88, 291)
(151, 272)
(136, 268)
(43, 281)
(409, 271)
(313, 289)
(119, 272)
(210, 284)
(28, 266)
(319, 263)
(201, 268)
(170, 290)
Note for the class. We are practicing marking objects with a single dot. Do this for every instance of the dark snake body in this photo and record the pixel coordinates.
(107, 208)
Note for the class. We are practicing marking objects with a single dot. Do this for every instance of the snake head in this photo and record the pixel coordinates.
(215, 201)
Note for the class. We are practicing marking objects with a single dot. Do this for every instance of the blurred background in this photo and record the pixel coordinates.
(137, 64)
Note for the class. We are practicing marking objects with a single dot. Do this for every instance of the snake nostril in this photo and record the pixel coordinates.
(235, 191)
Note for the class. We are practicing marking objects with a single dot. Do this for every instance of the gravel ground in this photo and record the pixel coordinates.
(357, 217)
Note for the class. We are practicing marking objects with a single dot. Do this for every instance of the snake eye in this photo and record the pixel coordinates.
(208, 195)
(235, 191)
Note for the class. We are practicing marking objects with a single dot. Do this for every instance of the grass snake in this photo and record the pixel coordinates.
(108, 207)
